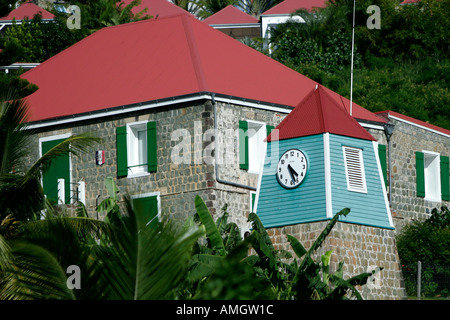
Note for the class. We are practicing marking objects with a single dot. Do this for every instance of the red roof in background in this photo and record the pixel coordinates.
(290, 6)
(230, 15)
(158, 59)
(409, 1)
(388, 113)
(318, 113)
(157, 8)
(27, 10)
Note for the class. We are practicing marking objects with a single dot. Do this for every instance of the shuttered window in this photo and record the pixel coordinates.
(420, 174)
(136, 149)
(354, 169)
(445, 183)
(383, 162)
(252, 145)
(432, 176)
(243, 145)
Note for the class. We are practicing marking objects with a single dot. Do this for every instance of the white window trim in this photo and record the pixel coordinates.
(58, 137)
(363, 174)
(151, 194)
(143, 172)
(383, 186)
(262, 125)
(438, 196)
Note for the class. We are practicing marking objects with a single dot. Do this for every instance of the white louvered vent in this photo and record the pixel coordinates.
(354, 169)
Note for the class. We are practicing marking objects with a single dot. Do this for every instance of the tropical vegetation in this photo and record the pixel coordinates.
(427, 241)
(403, 66)
(48, 253)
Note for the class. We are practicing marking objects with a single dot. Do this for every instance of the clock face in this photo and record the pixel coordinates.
(292, 168)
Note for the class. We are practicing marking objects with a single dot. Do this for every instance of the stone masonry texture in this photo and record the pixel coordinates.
(359, 247)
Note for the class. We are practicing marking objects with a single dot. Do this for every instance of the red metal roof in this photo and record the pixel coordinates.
(27, 10)
(230, 15)
(159, 59)
(388, 113)
(290, 6)
(318, 113)
(157, 8)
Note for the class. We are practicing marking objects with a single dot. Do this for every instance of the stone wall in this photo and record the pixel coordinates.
(406, 139)
(361, 248)
(179, 181)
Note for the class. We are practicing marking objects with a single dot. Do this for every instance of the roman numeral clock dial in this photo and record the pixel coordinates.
(292, 168)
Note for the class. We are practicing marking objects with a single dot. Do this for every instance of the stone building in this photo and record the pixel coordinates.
(183, 109)
(419, 167)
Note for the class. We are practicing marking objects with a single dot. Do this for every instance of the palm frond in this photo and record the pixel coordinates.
(34, 274)
(13, 136)
(146, 262)
(74, 145)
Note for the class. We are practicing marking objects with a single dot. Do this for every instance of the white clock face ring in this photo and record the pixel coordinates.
(292, 168)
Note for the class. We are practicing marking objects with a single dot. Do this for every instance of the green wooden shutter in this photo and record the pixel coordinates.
(146, 210)
(152, 147)
(253, 195)
(445, 188)
(383, 160)
(420, 174)
(121, 140)
(269, 129)
(59, 169)
(243, 145)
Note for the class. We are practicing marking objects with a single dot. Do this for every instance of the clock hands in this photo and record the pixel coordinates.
(292, 172)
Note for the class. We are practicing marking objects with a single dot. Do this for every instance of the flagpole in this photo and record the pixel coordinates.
(351, 71)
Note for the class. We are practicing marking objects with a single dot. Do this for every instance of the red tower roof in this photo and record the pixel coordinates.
(27, 10)
(230, 15)
(319, 113)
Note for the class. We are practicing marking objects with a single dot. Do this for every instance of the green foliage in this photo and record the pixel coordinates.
(97, 14)
(256, 7)
(429, 242)
(12, 81)
(25, 40)
(21, 194)
(404, 66)
(209, 7)
(122, 258)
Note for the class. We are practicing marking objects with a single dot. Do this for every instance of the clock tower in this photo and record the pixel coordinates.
(322, 161)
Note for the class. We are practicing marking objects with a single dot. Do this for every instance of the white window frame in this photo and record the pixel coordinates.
(350, 184)
(432, 175)
(256, 133)
(133, 149)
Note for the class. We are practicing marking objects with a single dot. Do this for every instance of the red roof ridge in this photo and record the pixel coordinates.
(27, 9)
(319, 113)
(195, 55)
(230, 15)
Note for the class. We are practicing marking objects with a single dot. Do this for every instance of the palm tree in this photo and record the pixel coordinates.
(209, 7)
(190, 6)
(21, 193)
(257, 7)
(121, 258)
